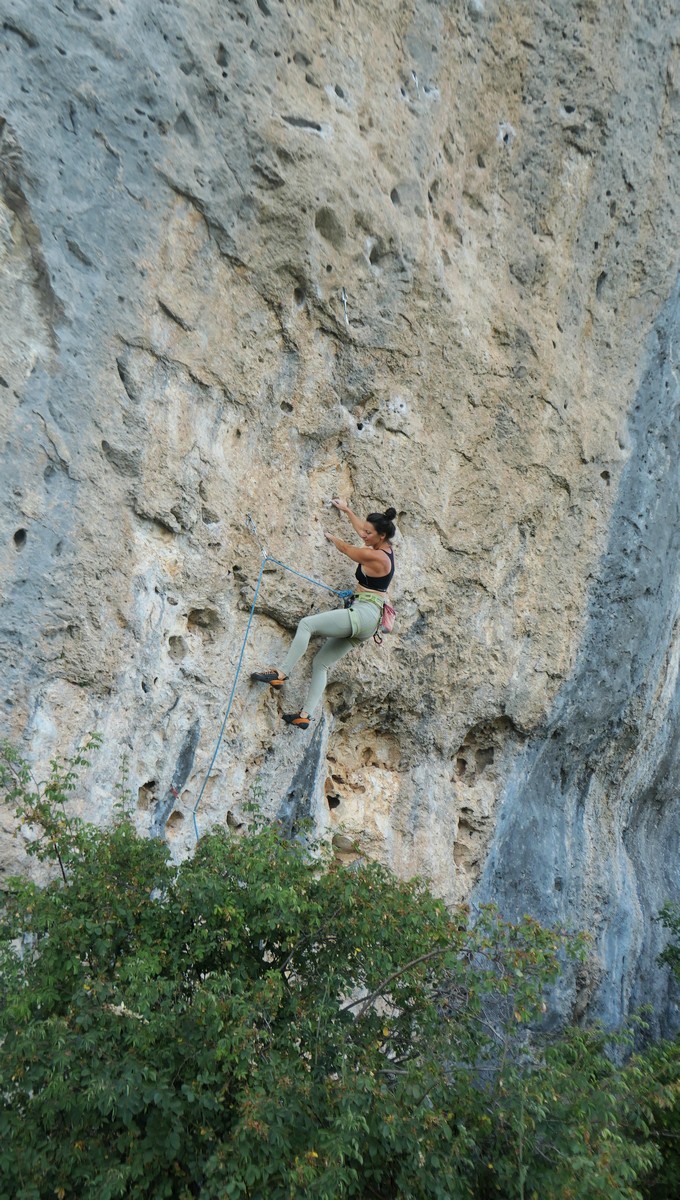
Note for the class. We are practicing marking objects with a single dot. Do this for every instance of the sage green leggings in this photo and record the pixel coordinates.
(343, 628)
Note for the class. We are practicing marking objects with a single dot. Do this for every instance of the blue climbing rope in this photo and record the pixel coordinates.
(266, 555)
(344, 594)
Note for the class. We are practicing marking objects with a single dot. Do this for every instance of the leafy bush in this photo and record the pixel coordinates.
(670, 918)
(663, 1064)
(259, 1022)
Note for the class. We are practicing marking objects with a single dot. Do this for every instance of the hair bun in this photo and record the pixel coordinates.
(390, 514)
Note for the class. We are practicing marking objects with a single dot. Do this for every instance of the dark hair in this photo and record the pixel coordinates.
(383, 523)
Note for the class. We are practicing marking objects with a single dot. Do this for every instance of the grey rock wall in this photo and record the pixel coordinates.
(590, 823)
(253, 255)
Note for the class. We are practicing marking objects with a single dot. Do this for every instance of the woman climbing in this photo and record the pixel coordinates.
(343, 627)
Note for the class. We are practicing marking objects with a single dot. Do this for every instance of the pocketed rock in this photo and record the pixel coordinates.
(419, 255)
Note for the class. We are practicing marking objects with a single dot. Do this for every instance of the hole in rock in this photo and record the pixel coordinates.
(330, 227)
(569, 108)
(203, 618)
(146, 794)
(299, 296)
(333, 801)
(302, 123)
(480, 161)
(222, 57)
(328, 268)
(301, 59)
(286, 407)
(339, 92)
(177, 648)
(483, 758)
(360, 424)
(173, 822)
(606, 476)
(374, 256)
(395, 197)
(20, 539)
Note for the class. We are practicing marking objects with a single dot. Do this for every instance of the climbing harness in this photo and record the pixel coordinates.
(266, 558)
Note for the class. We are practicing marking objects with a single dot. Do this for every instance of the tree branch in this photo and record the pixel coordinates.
(366, 1001)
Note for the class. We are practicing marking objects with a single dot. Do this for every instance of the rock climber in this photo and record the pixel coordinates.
(343, 628)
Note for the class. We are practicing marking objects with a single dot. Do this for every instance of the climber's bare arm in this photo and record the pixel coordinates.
(359, 554)
(358, 525)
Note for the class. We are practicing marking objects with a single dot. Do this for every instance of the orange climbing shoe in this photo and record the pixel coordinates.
(271, 677)
(296, 719)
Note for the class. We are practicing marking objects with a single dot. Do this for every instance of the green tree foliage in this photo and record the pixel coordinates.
(663, 1063)
(670, 917)
(259, 1022)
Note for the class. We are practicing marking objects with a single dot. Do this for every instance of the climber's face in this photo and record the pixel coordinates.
(370, 537)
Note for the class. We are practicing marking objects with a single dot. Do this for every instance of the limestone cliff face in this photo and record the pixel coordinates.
(256, 254)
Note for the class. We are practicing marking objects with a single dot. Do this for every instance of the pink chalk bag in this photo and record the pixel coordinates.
(387, 619)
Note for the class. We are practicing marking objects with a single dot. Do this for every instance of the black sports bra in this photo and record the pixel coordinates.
(379, 583)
